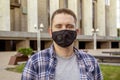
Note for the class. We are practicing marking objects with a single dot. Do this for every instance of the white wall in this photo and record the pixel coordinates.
(5, 15)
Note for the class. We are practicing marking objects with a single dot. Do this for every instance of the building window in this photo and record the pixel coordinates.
(48, 10)
(63, 3)
(107, 2)
(94, 14)
(15, 3)
(66, 3)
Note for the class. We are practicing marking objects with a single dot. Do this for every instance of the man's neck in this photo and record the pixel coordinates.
(64, 52)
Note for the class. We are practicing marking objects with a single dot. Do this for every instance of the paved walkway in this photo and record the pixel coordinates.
(4, 74)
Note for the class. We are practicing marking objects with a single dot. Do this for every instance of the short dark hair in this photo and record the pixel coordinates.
(65, 11)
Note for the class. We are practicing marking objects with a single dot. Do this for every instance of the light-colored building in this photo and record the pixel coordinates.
(118, 13)
(19, 20)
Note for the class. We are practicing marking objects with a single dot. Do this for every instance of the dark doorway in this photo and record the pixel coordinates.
(114, 44)
(81, 45)
(2, 45)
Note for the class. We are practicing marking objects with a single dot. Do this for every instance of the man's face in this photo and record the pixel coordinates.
(63, 22)
(63, 30)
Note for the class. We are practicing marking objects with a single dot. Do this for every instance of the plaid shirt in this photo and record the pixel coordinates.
(41, 66)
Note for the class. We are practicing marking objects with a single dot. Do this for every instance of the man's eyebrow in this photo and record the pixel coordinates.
(71, 24)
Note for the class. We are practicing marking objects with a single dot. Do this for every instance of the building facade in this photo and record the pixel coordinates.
(19, 20)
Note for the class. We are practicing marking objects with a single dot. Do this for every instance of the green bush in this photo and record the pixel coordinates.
(18, 68)
(25, 51)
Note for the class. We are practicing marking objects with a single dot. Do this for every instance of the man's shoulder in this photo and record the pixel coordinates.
(40, 55)
(87, 58)
(86, 55)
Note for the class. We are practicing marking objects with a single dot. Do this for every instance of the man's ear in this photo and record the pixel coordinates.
(50, 31)
(78, 31)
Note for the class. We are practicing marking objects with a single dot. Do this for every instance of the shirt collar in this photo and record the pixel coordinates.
(53, 54)
(77, 53)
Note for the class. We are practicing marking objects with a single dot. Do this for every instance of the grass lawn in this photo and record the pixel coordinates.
(109, 72)
(18, 68)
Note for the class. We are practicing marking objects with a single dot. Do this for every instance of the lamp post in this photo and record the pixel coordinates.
(94, 37)
(39, 29)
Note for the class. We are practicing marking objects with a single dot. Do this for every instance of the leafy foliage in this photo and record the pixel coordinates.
(18, 68)
(25, 51)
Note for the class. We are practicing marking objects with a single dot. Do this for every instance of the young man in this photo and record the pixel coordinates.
(62, 61)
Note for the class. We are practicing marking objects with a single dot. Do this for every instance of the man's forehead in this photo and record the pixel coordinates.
(63, 17)
(65, 14)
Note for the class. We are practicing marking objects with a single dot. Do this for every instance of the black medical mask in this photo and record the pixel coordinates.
(64, 38)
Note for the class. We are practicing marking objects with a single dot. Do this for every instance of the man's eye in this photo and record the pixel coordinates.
(70, 26)
(58, 26)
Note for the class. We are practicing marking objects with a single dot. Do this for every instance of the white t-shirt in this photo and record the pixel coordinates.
(67, 68)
